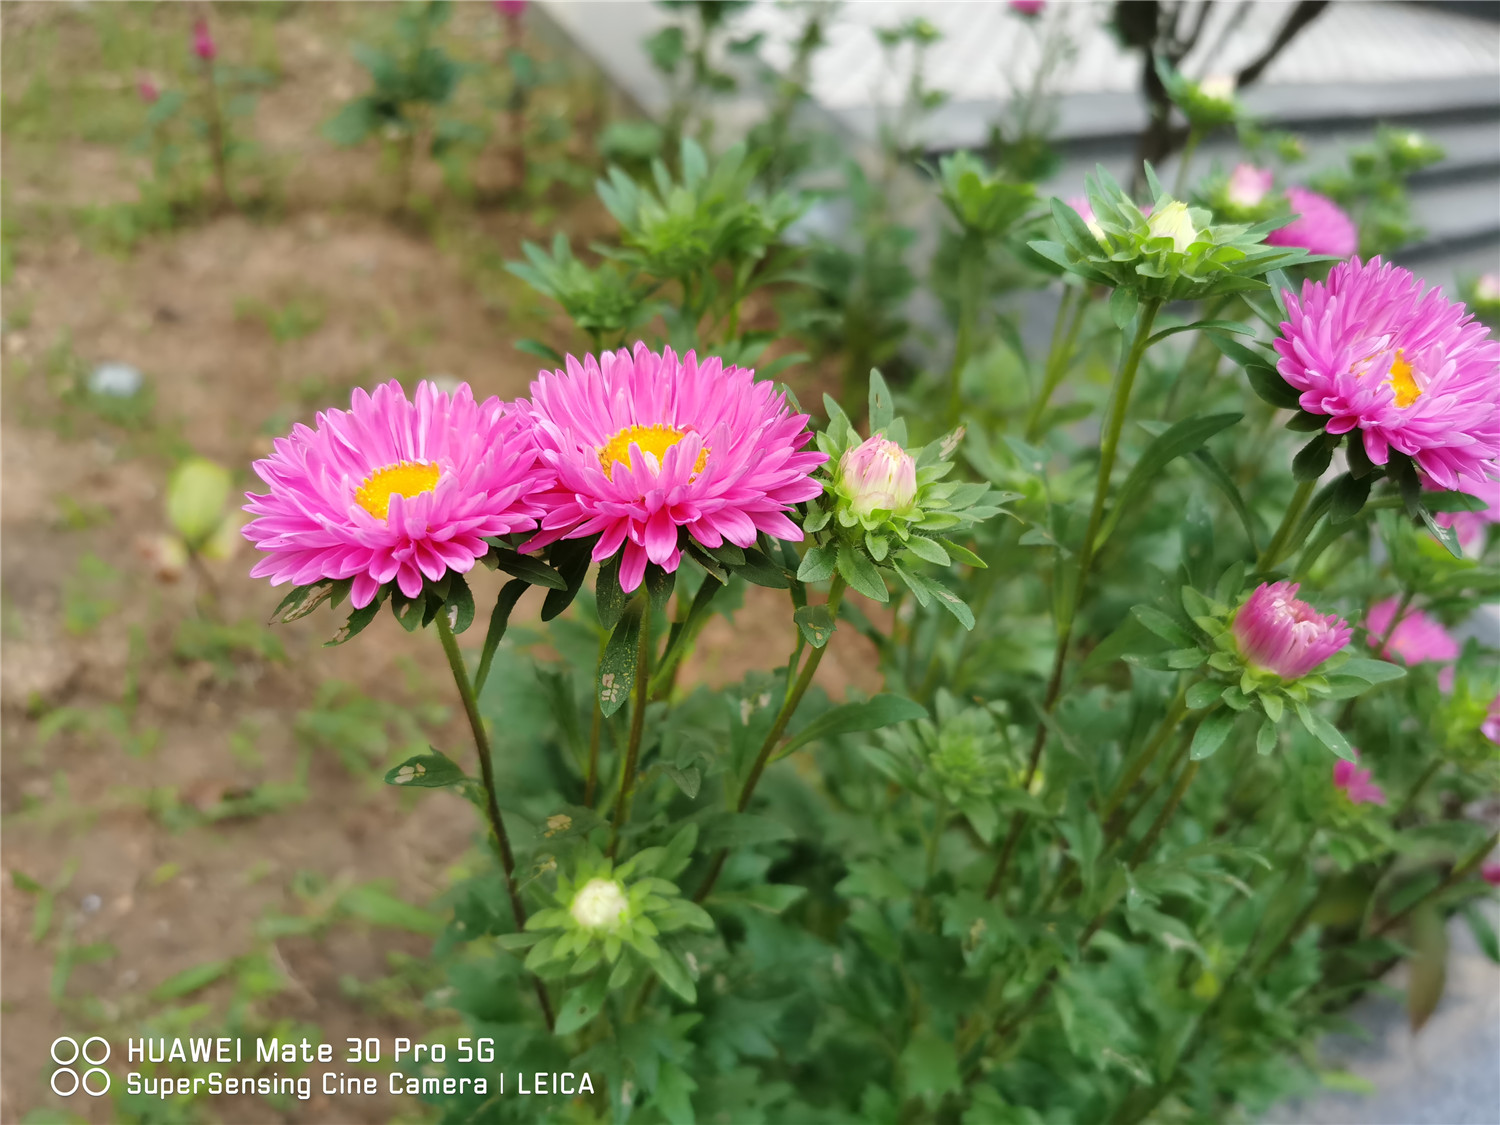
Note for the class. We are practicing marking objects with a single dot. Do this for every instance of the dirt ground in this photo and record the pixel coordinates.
(122, 751)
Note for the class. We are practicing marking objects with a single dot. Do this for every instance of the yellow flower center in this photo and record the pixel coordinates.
(1403, 382)
(406, 477)
(654, 442)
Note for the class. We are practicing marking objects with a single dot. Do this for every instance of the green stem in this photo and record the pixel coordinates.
(215, 122)
(491, 806)
(683, 636)
(1194, 136)
(968, 299)
(1143, 761)
(1108, 447)
(1057, 359)
(596, 728)
(1154, 832)
(1459, 871)
(1279, 546)
(637, 726)
(784, 716)
(939, 822)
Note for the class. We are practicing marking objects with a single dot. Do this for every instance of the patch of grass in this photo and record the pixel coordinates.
(90, 595)
(227, 646)
(297, 317)
(363, 730)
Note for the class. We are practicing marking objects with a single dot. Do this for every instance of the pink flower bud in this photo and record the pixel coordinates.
(1248, 185)
(1028, 7)
(1357, 783)
(203, 42)
(1487, 288)
(511, 9)
(148, 90)
(878, 475)
(1490, 873)
(1280, 634)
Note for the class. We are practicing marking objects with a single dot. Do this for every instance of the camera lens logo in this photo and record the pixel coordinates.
(66, 1051)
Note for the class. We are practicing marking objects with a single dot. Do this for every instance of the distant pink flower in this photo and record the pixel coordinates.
(1416, 639)
(394, 490)
(511, 9)
(1490, 728)
(1280, 634)
(648, 448)
(1320, 227)
(1490, 873)
(203, 42)
(1487, 289)
(1357, 783)
(1373, 349)
(1028, 7)
(1248, 185)
(148, 90)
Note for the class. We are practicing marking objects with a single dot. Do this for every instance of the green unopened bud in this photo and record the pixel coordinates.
(599, 905)
(1173, 221)
(195, 500)
(1218, 88)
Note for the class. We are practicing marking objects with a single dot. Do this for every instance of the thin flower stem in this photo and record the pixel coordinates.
(1175, 712)
(1459, 871)
(1109, 445)
(1279, 546)
(968, 314)
(637, 726)
(596, 727)
(773, 737)
(1173, 800)
(491, 806)
(1057, 353)
(1180, 185)
(215, 121)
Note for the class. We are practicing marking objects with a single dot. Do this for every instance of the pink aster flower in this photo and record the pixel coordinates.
(646, 445)
(1415, 639)
(203, 42)
(1490, 728)
(1248, 185)
(1372, 348)
(1320, 226)
(1357, 783)
(1028, 7)
(1280, 634)
(879, 475)
(393, 489)
(1490, 873)
(147, 89)
(511, 9)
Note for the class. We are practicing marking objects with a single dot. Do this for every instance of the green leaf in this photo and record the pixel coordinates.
(1203, 693)
(772, 898)
(1211, 734)
(871, 714)
(816, 623)
(510, 593)
(1313, 458)
(609, 599)
(1371, 671)
(527, 567)
(882, 405)
(376, 905)
(762, 571)
(928, 551)
(817, 564)
(458, 603)
(1174, 442)
(1163, 626)
(617, 665)
(191, 980)
(1123, 304)
(674, 974)
(1265, 738)
(579, 1007)
(427, 771)
(861, 574)
(1428, 965)
(572, 558)
(355, 623)
(1349, 496)
(1233, 326)
(1483, 931)
(1325, 732)
(741, 830)
(929, 1066)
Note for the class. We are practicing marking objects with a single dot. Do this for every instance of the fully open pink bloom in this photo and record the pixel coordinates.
(1320, 226)
(1280, 634)
(1248, 185)
(646, 445)
(203, 42)
(1490, 728)
(1357, 783)
(1415, 639)
(394, 489)
(1373, 349)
